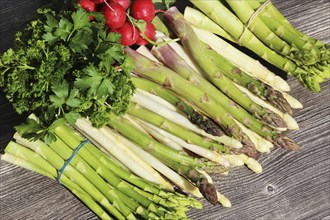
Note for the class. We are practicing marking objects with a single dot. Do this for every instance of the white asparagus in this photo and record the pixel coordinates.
(146, 52)
(140, 93)
(159, 136)
(136, 164)
(294, 103)
(251, 163)
(102, 149)
(175, 178)
(178, 118)
(167, 113)
(262, 145)
(233, 159)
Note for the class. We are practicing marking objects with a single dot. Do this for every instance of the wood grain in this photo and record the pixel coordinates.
(294, 185)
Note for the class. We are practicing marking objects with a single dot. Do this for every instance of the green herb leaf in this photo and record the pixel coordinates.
(95, 83)
(72, 117)
(29, 126)
(163, 4)
(80, 41)
(64, 29)
(61, 91)
(73, 100)
(80, 19)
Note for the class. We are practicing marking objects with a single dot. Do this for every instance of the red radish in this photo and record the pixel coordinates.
(97, 1)
(87, 5)
(129, 34)
(143, 9)
(124, 3)
(149, 33)
(114, 14)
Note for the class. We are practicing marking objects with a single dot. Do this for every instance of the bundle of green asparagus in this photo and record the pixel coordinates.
(104, 183)
(260, 27)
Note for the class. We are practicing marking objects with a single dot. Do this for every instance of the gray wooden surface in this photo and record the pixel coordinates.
(294, 185)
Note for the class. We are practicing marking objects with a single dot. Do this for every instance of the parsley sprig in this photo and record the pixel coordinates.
(63, 67)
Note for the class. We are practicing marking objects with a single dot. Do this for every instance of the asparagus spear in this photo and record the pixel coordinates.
(156, 192)
(195, 149)
(255, 4)
(206, 188)
(270, 9)
(131, 160)
(260, 143)
(51, 173)
(191, 42)
(124, 190)
(195, 117)
(249, 65)
(257, 87)
(289, 120)
(57, 162)
(169, 57)
(241, 60)
(309, 76)
(147, 68)
(154, 162)
(198, 19)
(149, 144)
(256, 26)
(221, 198)
(163, 123)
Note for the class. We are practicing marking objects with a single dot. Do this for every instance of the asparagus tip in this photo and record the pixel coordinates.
(208, 191)
(210, 127)
(287, 143)
(248, 149)
(274, 119)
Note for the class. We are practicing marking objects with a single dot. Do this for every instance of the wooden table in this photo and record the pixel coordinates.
(294, 185)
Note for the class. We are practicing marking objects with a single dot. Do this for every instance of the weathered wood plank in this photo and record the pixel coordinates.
(294, 185)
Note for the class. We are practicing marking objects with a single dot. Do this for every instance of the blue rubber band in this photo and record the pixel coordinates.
(70, 158)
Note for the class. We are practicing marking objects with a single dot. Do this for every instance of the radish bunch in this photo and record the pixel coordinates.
(125, 18)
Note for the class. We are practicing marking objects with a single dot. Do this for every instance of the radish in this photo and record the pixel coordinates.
(124, 3)
(87, 5)
(114, 14)
(149, 33)
(129, 34)
(143, 9)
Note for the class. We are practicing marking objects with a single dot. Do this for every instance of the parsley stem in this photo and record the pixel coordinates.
(3, 72)
(70, 35)
(26, 67)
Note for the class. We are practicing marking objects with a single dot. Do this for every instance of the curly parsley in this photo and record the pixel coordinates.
(62, 67)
